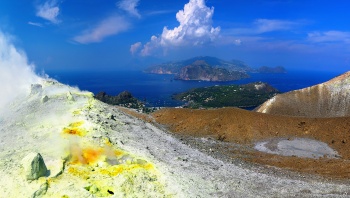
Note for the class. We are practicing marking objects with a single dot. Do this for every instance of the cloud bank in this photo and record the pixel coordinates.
(329, 37)
(108, 27)
(270, 25)
(261, 26)
(195, 29)
(16, 75)
(130, 7)
(49, 11)
(135, 47)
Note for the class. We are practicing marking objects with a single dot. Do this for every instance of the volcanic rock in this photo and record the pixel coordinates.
(44, 99)
(41, 191)
(70, 96)
(34, 166)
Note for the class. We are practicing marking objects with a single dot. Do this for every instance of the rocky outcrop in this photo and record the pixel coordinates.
(329, 99)
(41, 191)
(122, 98)
(34, 166)
(125, 99)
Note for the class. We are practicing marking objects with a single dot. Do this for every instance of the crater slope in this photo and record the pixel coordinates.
(91, 149)
(329, 99)
(322, 142)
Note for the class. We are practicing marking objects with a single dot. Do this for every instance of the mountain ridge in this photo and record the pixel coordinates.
(328, 99)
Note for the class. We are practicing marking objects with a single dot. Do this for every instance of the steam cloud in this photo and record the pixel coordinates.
(16, 75)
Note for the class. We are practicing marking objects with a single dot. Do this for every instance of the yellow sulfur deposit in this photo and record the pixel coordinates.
(110, 171)
(75, 129)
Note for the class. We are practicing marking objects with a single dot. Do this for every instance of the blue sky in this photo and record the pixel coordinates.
(128, 34)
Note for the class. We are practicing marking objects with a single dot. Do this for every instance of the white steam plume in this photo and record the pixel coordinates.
(16, 75)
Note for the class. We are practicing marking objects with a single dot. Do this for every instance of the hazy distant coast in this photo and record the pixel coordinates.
(208, 68)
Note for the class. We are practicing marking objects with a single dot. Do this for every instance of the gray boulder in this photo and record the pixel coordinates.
(70, 96)
(44, 99)
(34, 166)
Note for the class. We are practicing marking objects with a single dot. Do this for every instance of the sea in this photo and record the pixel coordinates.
(156, 90)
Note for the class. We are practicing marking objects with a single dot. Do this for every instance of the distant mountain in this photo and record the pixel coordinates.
(249, 95)
(329, 99)
(201, 70)
(176, 66)
(274, 70)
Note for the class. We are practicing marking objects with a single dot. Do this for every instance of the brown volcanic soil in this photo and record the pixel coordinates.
(233, 125)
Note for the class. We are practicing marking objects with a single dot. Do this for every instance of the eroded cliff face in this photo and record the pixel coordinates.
(329, 99)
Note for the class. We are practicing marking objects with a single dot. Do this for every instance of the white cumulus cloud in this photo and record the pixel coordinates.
(49, 11)
(135, 47)
(129, 6)
(16, 75)
(195, 28)
(107, 27)
(150, 46)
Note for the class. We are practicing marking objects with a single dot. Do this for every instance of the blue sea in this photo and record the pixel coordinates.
(156, 90)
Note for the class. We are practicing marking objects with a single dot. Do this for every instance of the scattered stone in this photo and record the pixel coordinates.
(92, 189)
(70, 96)
(44, 99)
(111, 116)
(41, 191)
(34, 166)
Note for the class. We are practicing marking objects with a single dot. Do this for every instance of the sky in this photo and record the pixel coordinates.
(131, 34)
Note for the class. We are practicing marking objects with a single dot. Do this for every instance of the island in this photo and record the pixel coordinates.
(243, 96)
(209, 68)
(272, 70)
(203, 68)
